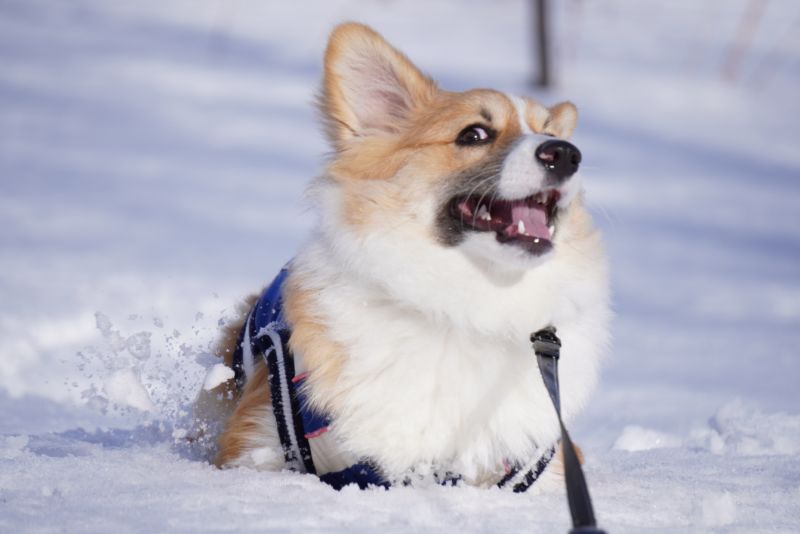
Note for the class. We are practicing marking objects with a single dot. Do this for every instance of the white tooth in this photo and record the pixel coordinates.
(552, 229)
(521, 227)
(536, 240)
(483, 213)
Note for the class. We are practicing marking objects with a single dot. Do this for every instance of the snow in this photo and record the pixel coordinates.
(718, 510)
(635, 438)
(124, 388)
(739, 429)
(217, 375)
(152, 167)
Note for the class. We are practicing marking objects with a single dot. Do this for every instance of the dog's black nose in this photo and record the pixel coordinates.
(560, 158)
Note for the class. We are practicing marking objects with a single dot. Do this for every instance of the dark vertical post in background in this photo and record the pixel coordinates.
(542, 43)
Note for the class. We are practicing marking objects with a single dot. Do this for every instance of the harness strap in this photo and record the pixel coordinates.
(547, 347)
(286, 404)
(520, 481)
(266, 334)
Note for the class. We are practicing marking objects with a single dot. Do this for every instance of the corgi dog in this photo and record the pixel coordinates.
(450, 226)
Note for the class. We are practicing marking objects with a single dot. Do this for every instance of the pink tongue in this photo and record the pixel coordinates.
(534, 219)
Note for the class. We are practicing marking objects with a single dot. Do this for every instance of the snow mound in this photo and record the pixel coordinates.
(744, 430)
(217, 375)
(635, 438)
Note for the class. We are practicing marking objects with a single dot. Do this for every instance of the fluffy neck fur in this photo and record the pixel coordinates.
(437, 368)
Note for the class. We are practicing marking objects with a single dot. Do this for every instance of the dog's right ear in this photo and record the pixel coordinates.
(369, 88)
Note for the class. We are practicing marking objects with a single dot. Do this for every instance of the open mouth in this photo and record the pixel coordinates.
(528, 222)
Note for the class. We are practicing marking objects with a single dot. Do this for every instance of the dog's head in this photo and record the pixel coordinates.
(483, 173)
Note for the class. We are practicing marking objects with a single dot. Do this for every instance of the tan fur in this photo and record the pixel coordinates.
(536, 115)
(410, 166)
(562, 120)
(245, 420)
(557, 466)
(322, 357)
(429, 137)
(351, 43)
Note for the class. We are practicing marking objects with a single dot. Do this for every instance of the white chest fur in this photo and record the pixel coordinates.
(423, 390)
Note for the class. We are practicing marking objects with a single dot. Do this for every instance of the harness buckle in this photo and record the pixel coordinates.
(546, 343)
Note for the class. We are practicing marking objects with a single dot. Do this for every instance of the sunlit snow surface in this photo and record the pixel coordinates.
(153, 157)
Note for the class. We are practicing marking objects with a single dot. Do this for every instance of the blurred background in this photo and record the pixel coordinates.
(153, 157)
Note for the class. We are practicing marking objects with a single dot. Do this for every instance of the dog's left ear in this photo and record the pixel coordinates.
(562, 120)
(369, 87)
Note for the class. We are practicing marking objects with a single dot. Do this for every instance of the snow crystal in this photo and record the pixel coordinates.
(112, 336)
(103, 323)
(217, 375)
(636, 438)
(125, 388)
(138, 345)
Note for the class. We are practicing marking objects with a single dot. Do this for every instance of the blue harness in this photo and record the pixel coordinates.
(266, 335)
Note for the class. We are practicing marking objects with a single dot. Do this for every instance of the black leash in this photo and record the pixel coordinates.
(547, 347)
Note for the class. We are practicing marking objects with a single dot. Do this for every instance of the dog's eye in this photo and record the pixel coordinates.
(475, 134)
